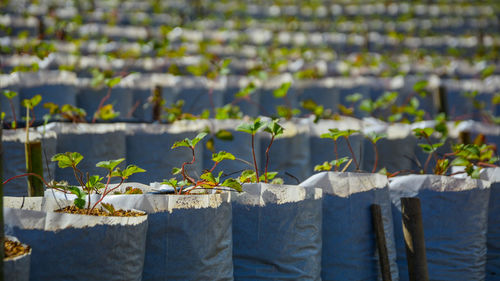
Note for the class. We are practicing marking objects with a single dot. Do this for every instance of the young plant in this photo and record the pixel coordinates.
(335, 134)
(92, 184)
(105, 112)
(275, 130)
(286, 111)
(207, 180)
(252, 129)
(65, 112)
(429, 147)
(10, 95)
(374, 137)
(473, 157)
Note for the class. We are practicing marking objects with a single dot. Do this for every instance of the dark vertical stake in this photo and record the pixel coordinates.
(442, 100)
(378, 226)
(157, 103)
(35, 165)
(2, 234)
(413, 231)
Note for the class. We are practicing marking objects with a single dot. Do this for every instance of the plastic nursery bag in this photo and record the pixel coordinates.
(454, 213)
(18, 268)
(277, 233)
(148, 146)
(189, 236)
(493, 235)
(96, 142)
(80, 247)
(349, 245)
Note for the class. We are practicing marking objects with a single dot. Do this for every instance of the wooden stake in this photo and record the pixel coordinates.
(378, 227)
(34, 164)
(413, 231)
(2, 234)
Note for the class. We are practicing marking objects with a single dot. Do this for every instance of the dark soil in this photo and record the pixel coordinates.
(14, 249)
(99, 212)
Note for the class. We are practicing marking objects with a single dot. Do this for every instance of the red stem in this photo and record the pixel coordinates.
(267, 157)
(376, 157)
(183, 170)
(336, 153)
(103, 100)
(26, 175)
(13, 112)
(106, 193)
(352, 153)
(254, 159)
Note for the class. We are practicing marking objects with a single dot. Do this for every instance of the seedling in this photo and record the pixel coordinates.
(207, 180)
(10, 95)
(429, 147)
(252, 129)
(275, 130)
(335, 134)
(87, 184)
(65, 112)
(286, 111)
(104, 112)
(374, 137)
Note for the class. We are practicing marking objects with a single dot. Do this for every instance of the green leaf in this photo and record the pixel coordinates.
(488, 71)
(109, 207)
(113, 81)
(247, 91)
(31, 103)
(232, 183)
(224, 135)
(130, 170)
(67, 159)
(395, 117)
(77, 191)
(110, 165)
(354, 97)
(9, 94)
(326, 166)
(309, 104)
(247, 176)
(95, 182)
(367, 106)
(274, 128)
(209, 177)
(282, 90)
(176, 171)
(423, 133)
(475, 173)
(172, 182)
(79, 203)
(427, 148)
(190, 143)
(107, 112)
(270, 176)
(340, 161)
(495, 99)
(222, 155)
(460, 162)
(251, 128)
(420, 86)
(374, 137)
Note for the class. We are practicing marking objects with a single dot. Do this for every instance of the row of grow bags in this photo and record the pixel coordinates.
(148, 146)
(132, 96)
(321, 229)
